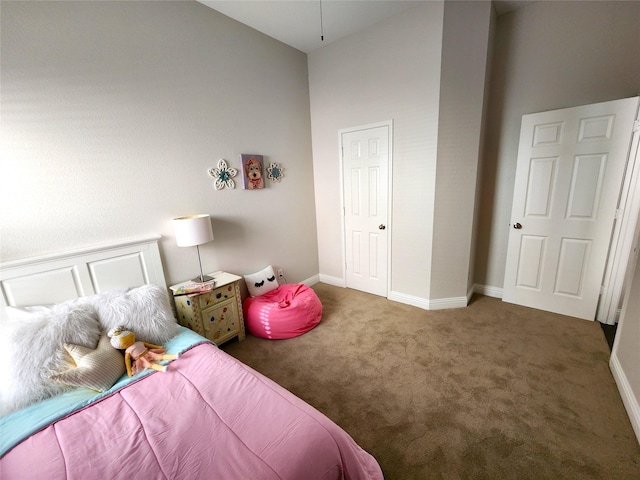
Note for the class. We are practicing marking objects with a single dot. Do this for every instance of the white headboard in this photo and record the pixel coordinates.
(54, 278)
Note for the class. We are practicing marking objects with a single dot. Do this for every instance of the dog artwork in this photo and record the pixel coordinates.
(253, 171)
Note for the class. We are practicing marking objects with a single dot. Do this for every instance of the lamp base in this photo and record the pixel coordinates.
(204, 279)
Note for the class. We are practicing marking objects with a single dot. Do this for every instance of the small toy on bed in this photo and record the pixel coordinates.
(144, 355)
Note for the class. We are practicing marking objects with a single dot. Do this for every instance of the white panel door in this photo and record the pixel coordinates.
(570, 169)
(365, 163)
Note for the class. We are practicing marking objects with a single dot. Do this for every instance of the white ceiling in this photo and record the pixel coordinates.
(299, 23)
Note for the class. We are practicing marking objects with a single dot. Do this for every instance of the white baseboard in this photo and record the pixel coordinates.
(488, 290)
(329, 280)
(472, 289)
(409, 300)
(311, 281)
(443, 303)
(626, 392)
(426, 304)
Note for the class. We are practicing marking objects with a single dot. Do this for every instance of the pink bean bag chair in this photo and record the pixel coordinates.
(288, 311)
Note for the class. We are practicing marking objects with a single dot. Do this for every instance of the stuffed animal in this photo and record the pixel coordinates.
(144, 355)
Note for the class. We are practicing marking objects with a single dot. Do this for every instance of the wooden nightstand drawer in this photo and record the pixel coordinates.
(216, 315)
(218, 295)
(221, 321)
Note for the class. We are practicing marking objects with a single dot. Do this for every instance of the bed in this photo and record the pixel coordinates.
(207, 416)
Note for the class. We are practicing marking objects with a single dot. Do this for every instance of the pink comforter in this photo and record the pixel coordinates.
(209, 416)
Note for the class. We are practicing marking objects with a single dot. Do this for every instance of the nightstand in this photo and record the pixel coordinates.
(217, 314)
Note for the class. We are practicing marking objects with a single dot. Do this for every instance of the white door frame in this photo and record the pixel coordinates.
(623, 237)
(389, 125)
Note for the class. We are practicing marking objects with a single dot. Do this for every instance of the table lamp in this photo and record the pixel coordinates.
(194, 230)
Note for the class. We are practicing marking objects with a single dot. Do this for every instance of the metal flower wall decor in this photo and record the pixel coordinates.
(275, 172)
(223, 175)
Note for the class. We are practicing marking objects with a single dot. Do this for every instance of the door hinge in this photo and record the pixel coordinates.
(636, 126)
(619, 213)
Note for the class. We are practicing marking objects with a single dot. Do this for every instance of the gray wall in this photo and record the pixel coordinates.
(548, 55)
(112, 113)
(390, 71)
(424, 69)
(625, 359)
(465, 48)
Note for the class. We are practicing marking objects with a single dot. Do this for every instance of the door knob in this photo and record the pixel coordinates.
(382, 227)
(517, 226)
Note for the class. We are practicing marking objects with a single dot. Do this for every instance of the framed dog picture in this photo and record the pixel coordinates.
(252, 171)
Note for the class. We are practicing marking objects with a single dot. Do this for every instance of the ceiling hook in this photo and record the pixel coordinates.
(321, 26)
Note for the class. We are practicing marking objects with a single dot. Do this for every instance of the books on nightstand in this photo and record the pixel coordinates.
(193, 288)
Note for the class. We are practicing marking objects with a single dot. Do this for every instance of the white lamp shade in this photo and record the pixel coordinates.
(193, 230)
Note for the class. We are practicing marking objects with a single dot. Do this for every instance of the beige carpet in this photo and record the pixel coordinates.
(491, 391)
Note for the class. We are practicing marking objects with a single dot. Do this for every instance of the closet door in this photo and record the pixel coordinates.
(365, 170)
(570, 170)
